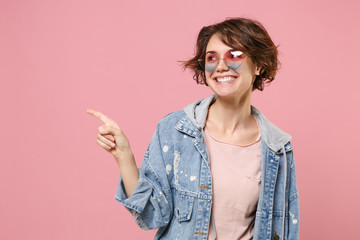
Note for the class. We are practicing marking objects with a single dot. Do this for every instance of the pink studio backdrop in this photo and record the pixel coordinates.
(58, 58)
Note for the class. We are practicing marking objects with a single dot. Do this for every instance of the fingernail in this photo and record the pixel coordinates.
(101, 130)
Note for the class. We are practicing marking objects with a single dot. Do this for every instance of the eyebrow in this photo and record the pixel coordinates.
(231, 49)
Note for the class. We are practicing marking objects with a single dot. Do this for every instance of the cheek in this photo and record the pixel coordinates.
(246, 71)
(246, 77)
(207, 76)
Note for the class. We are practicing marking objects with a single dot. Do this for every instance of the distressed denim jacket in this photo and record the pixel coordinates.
(174, 192)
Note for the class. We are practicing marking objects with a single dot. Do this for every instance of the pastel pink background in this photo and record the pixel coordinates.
(58, 58)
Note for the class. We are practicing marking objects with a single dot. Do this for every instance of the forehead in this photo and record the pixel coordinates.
(215, 44)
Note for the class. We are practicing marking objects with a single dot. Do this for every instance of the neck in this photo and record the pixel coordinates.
(231, 115)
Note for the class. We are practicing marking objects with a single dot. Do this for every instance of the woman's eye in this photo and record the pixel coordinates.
(211, 58)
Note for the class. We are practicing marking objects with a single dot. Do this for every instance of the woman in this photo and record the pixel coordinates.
(218, 169)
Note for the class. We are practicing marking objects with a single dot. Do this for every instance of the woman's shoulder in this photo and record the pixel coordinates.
(274, 137)
(172, 118)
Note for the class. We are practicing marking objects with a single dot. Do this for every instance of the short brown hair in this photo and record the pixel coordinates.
(246, 35)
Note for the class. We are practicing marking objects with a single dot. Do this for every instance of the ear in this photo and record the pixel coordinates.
(257, 70)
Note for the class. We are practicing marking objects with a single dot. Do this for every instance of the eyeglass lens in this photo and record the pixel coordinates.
(232, 59)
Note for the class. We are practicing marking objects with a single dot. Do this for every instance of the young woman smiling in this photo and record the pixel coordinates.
(218, 169)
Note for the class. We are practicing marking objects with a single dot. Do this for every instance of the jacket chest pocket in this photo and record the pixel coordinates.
(183, 206)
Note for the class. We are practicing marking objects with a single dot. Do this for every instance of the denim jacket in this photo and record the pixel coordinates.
(174, 192)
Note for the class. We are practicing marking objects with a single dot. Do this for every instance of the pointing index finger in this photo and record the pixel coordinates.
(98, 115)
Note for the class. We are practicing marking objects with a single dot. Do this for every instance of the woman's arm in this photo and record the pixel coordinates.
(128, 170)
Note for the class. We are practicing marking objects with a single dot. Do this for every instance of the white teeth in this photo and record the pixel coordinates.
(225, 79)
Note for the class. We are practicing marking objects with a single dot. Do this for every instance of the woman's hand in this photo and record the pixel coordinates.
(110, 136)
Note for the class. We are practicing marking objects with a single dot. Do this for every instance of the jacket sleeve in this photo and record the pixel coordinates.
(294, 210)
(151, 203)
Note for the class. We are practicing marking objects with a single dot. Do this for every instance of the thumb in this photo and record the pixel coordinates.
(107, 130)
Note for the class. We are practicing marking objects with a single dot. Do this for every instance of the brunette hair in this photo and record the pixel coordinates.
(246, 35)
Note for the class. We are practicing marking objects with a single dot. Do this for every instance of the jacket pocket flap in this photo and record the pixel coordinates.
(183, 207)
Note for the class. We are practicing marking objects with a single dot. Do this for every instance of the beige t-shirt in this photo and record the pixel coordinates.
(236, 174)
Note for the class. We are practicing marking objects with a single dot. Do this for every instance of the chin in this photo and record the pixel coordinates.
(226, 94)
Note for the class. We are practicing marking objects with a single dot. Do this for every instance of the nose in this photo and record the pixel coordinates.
(221, 66)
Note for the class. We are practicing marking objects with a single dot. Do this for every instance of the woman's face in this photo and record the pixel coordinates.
(234, 79)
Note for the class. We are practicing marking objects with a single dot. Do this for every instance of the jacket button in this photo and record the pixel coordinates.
(276, 237)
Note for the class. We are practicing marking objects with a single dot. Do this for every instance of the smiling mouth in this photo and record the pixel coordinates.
(225, 79)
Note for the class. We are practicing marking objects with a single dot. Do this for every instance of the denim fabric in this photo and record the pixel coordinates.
(174, 192)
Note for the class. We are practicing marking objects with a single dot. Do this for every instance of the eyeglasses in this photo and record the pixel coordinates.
(233, 59)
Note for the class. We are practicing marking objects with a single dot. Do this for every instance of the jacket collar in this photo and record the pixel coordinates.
(195, 120)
